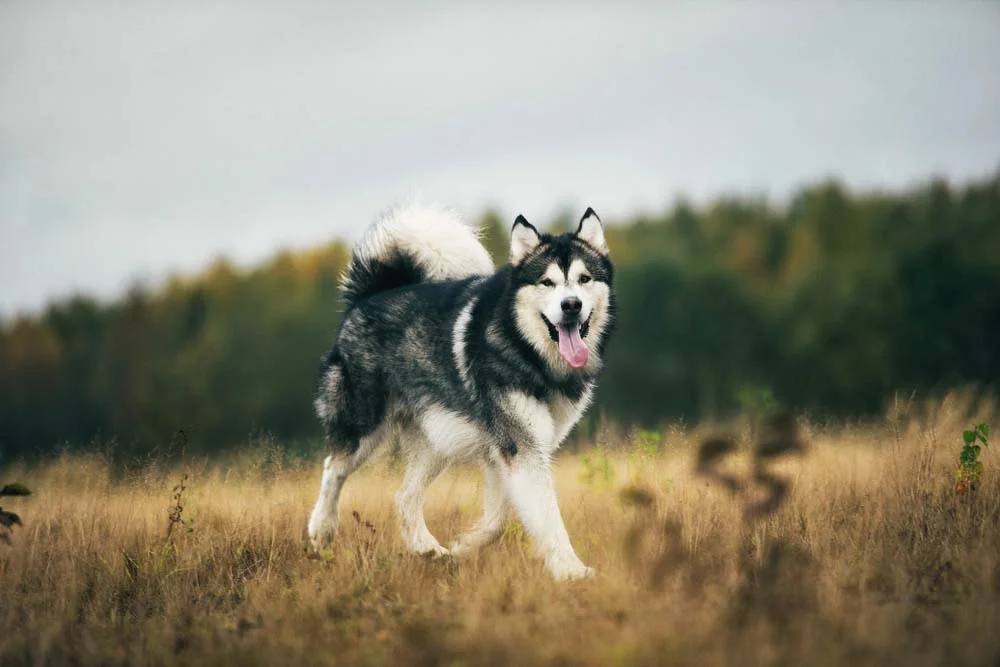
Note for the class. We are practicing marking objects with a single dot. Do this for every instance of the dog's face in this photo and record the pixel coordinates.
(563, 297)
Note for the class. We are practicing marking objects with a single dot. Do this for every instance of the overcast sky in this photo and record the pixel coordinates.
(142, 138)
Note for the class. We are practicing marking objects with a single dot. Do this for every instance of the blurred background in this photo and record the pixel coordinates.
(803, 200)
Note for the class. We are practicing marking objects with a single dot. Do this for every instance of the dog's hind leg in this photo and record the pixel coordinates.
(325, 518)
(423, 467)
(490, 527)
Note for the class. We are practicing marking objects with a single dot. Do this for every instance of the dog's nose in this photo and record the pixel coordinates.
(571, 305)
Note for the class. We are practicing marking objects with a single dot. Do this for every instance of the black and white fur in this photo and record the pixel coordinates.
(464, 363)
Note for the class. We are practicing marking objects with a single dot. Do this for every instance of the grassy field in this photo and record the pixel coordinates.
(873, 559)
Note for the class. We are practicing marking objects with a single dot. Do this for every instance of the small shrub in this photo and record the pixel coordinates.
(175, 517)
(970, 468)
(647, 445)
(598, 471)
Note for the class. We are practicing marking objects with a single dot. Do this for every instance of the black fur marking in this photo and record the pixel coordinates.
(553, 333)
(521, 220)
(586, 214)
(562, 250)
(508, 450)
(366, 278)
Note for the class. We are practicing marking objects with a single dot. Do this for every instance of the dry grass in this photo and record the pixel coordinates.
(873, 560)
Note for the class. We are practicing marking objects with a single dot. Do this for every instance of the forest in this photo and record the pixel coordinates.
(828, 303)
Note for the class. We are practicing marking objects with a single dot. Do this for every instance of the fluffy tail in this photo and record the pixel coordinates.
(413, 244)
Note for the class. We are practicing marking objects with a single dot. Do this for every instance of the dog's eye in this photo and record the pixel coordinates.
(584, 279)
(545, 282)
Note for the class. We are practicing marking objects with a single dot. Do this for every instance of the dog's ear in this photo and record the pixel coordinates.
(523, 239)
(592, 232)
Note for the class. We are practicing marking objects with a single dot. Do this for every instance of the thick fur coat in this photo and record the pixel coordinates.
(466, 363)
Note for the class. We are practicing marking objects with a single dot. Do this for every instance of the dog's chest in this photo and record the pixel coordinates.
(566, 413)
(546, 423)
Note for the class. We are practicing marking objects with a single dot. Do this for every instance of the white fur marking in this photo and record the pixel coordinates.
(458, 342)
(576, 269)
(566, 413)
(324, 520)
(326, 403)
(535, 416)
(450, 434)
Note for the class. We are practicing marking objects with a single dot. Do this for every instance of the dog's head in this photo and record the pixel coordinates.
(563, 300)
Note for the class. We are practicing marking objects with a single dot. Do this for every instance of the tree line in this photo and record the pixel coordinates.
(831, 302)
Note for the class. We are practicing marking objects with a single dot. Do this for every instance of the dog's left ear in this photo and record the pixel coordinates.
(592, 231)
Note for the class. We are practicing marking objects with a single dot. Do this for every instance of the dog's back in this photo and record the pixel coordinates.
(406, 247)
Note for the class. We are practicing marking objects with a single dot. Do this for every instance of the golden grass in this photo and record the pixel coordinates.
(873, 560)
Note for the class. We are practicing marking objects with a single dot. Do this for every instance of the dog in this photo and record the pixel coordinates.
(465, 363)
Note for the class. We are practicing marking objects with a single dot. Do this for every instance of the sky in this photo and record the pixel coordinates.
(139, 139)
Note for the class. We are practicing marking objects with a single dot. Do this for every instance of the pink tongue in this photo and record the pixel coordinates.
(571, 346)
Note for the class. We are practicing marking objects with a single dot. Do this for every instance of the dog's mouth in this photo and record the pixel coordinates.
(569, 337)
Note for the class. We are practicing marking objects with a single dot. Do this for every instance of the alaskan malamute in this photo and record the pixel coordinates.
(466, 363)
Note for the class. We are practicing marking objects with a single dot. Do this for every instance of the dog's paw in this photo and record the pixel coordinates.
(431, 551)
(465, 545)
(576, 575)
(321, 535)
(569, 569)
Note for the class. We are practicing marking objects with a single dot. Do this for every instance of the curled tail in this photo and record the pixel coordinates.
(413, 244)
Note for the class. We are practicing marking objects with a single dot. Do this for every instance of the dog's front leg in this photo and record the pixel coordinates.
(528, 485)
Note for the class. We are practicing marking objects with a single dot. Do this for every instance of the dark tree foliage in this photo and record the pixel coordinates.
(833, 302)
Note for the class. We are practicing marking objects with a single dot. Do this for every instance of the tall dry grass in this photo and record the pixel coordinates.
(872, 560)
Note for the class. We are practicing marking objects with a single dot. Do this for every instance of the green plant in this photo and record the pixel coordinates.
(648, 443)
(970, 468)
(175, 517)
(598, 471)
(9, 519)
(647, 446)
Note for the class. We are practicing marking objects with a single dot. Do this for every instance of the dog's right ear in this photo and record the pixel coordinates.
(523, 239)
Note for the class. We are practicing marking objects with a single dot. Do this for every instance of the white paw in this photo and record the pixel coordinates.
(429, 549)
(321, 533)
(461, 549)
(569, 569)
(466, 544)
(436, 551)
